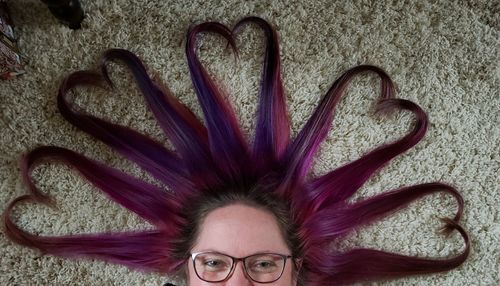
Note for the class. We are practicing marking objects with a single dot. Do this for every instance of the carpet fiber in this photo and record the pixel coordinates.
(443, 55)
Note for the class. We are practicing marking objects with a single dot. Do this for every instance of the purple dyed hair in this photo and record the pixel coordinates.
(216, 155)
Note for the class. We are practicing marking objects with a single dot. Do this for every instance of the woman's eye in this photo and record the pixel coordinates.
(214, 264)
(263, 265)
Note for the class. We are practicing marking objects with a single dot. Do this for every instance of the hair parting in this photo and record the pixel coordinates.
(147, 250)
(363, 264)
(213, 164)
(333, 222)
(341, 183)
(180, 125)
(226, 140)
(148, 154)
(272, 130)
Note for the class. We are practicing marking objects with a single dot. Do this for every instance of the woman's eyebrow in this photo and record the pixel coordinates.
(209, 250)
(284, 252)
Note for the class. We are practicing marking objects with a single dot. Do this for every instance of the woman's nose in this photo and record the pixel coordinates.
(238, 278)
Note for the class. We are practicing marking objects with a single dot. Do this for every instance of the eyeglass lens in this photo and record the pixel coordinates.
(215, 267)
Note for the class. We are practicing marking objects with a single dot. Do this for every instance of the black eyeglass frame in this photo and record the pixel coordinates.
(235, 261)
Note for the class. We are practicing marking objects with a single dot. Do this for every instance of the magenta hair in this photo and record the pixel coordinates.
(216, 155)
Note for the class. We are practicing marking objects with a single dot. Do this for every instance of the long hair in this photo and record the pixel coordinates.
(215, 155)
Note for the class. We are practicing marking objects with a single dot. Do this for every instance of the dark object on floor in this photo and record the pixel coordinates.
(168, 284)
(10, 57)
(68, 12)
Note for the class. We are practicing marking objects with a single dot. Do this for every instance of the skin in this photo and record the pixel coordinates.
(239, 230)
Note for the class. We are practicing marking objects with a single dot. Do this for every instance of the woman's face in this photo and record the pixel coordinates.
(239, 231)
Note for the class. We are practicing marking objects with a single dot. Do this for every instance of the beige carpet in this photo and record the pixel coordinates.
(442, 55)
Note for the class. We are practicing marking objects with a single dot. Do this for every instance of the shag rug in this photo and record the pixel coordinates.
(443, 55)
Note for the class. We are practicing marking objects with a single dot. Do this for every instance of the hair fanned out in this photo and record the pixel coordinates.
(216, 155)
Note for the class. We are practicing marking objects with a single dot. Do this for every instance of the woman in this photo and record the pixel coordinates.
(240, 237)
(237, 214)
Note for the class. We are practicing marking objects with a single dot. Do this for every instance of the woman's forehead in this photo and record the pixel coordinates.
(240, 230)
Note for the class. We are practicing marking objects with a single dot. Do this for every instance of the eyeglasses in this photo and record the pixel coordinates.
(260, 267)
